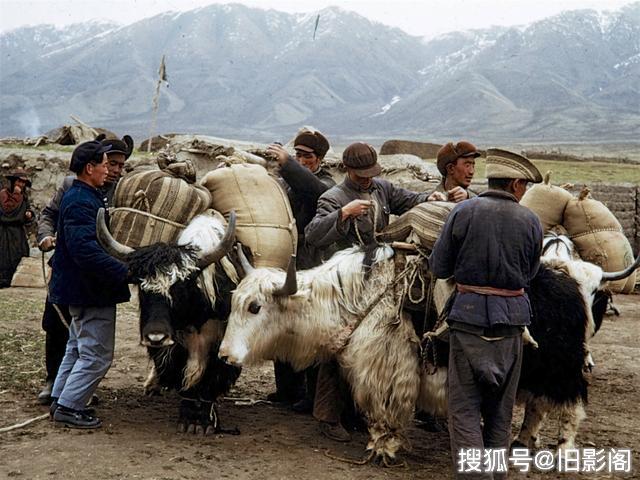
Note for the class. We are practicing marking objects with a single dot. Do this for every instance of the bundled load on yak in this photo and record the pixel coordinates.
(548, 202)
(154, 205)
(599, 238)
(421, 225)
(265, 221)
(589, 224)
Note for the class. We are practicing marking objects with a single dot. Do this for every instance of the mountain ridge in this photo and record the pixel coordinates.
(241, 71)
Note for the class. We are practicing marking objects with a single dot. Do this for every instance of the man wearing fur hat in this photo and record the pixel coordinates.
(305, 180)
(491, 246)
(456, 163)
(15, 213)
(56, 318)
(348, 214)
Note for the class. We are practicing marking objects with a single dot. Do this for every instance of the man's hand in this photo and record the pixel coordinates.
(47, 244)
(355, 208)
(457, 195)
(437, 197)
(278, 152)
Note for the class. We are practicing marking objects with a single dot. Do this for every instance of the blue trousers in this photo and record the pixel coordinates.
(88, 355)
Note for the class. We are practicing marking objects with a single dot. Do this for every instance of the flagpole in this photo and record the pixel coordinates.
(162, 76)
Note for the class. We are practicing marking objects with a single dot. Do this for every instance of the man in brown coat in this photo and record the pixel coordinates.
(348, 214)
(457, 164)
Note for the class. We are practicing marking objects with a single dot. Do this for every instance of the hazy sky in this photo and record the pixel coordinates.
(426, 18)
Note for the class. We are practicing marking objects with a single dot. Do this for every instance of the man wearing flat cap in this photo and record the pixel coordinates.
(91, 282)
(352, 212)
(56, 318)
(305, 180)
(348, 214)
(456, 163)
(491, 246)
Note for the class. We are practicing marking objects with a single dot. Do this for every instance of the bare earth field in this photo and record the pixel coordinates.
(139, 440)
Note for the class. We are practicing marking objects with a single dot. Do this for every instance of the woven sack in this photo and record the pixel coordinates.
(154, 206)
(424, 221)
(599, 238)
(547, 201)
(265, 222)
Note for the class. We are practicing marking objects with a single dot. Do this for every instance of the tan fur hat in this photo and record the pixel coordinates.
(449, 153)
(505, 164)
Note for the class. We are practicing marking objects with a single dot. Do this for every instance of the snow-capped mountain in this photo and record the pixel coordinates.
(239, 71)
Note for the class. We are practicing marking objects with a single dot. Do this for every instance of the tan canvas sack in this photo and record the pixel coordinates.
(547, 201)
(265, 222)
(599, 238)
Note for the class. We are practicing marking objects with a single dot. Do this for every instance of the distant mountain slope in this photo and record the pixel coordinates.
(238, 71)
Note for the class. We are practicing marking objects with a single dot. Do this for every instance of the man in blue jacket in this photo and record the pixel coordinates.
(91, 282)
(491, 245)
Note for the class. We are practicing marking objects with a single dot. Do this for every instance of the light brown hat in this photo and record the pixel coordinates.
(449, 153)
(505, 164)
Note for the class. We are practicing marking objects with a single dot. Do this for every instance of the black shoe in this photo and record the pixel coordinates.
(279, 397)
(44, 397)
(53, 407)
(430, 423)
(303, 406)
(75, 418)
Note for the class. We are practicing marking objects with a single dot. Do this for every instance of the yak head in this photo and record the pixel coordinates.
(175, 296)
(303, 317)
(260, 312)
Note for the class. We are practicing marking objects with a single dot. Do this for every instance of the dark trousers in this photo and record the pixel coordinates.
(57, 335)
(289, 383)
(482, 384)
(329, 402)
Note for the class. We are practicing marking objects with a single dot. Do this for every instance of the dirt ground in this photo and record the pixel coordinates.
(139, 438)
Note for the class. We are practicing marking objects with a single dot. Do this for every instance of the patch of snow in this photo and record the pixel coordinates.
(629, 61)
(386, 107)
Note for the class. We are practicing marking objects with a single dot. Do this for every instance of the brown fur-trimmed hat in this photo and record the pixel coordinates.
(506, 164)
(449, 153)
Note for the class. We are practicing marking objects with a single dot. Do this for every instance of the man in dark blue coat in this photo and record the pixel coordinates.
(91, 282)
(491, 245)
(56, 318)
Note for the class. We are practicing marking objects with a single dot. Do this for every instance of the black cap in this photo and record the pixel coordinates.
(124, 146)
(87, 152)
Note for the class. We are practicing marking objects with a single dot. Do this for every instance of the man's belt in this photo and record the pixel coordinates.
(480, 290)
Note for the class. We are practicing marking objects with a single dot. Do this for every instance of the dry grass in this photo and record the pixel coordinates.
(588, 172)
(21, 361)
(21, 340)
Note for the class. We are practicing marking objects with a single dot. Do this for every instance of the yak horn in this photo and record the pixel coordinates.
(225, 245)
(291, 283)
(244, 262)
(613, 276)
(110, 244)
